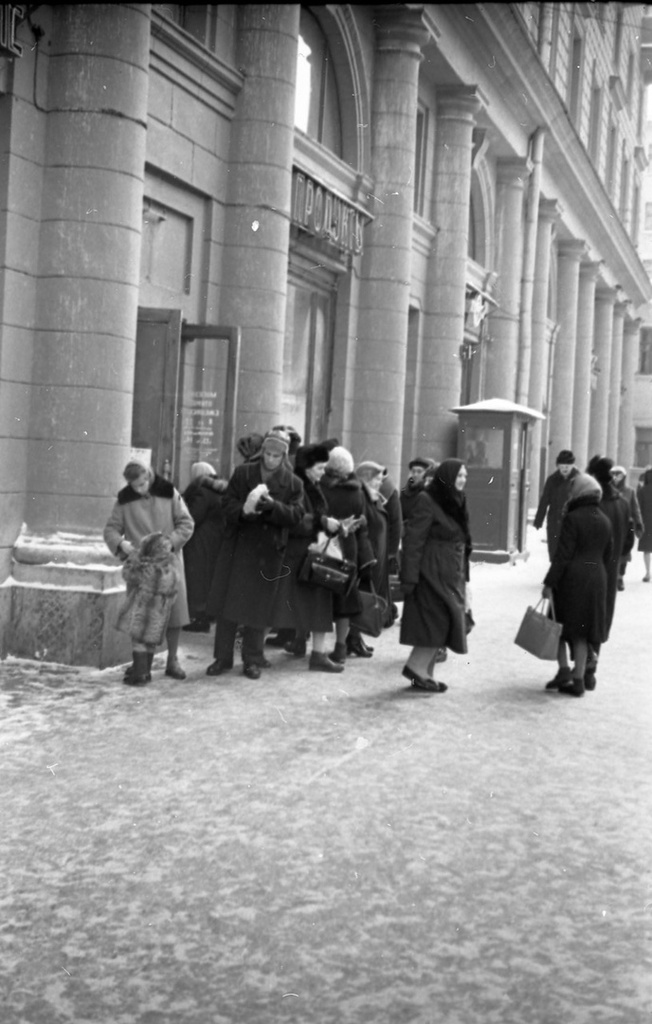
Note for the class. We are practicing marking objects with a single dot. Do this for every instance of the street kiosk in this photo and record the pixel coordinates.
(494, 439)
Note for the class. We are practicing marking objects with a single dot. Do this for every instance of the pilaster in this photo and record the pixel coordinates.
(605, 300)
(615, 377)
(569, 256)
(626, 433)
(583, 350)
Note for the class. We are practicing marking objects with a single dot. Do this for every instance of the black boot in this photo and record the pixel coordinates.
(563, 677)
(297, 647)
(139, 675)
(356, 645)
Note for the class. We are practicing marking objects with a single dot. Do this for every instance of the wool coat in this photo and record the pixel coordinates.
(344, 498)
(162, 510)
(578, 571)
(251, 558)
(304, 608)
(378, 527)
(645, 504)
(555, 494)
(617, 512)
(200, 553)
(435, 559)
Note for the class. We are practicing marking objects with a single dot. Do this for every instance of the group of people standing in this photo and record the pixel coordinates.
(592, 519)
(240, 545)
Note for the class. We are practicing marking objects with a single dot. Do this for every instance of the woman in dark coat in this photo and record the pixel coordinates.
(203, 498)
(343, 493)
(645, 504)
(577, 582)
(434, 574)
(371, 474)
(263, 501)
(302, 608)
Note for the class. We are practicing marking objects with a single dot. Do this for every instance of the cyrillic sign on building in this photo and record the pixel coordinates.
(325, 215)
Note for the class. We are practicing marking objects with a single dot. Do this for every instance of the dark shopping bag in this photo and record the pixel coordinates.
(374, 611)
(538, 634)
(320, 569)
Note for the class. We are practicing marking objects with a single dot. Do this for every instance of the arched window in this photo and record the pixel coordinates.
(317, 108)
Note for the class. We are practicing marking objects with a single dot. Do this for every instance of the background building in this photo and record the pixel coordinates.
(351, 219)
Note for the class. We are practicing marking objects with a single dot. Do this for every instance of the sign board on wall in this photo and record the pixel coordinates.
(10, 17)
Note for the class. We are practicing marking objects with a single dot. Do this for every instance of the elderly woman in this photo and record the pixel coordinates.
(577, 581)
(151, 504)
(372, 474)
(434, 574)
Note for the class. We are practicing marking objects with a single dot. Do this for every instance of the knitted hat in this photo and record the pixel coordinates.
(276, 441)
(135, 468)
(293, 436)
(565, 458)
(201, 469)
(584, 484)
(340, 461)
(619, 469)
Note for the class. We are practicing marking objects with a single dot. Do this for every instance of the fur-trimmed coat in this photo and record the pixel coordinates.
(152, 586)
(162, 510)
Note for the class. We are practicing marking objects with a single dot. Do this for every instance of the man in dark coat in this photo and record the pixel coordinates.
(553, 498)
(415, 483)
(619, 478)
(263, 501)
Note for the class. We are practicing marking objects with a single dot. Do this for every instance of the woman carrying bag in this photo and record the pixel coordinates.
(577, 581)
(434, 574)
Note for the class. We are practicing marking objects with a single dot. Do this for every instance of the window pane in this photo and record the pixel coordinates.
(317, 107)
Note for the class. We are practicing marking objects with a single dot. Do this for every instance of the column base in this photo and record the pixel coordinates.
(61, 603)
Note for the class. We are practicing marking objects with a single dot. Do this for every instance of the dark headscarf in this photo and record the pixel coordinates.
(453, 502)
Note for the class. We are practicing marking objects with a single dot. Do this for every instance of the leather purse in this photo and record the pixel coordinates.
(319, 569)
(371, 619)
(539, 634)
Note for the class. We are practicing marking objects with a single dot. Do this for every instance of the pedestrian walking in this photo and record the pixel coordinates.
(554, 496)
(152, 576)
(262, 502)
(435, 574)
(577, 582)
(150, 504)
(304, 609)
(645, 504)
(203, 498)
(619, 480)
(345, 500)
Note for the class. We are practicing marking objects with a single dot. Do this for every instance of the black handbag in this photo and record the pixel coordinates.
(371, 619)
(319, 569)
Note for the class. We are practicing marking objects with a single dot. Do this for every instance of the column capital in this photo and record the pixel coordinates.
(572, 249)
(400, 28)
(458, 100)
(549, 209)
(606, 294)
(633, 326)
(620, 308)
(589, 269)
(513, 172)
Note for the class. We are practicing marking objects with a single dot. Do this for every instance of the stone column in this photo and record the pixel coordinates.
(583, 352)
(561, 410)
(605, 299)
(620, 309)
(90, 213)
(381, 347)
(258, 210)
(626, 432)
(501, 356)
(443, 326)
(548, 215)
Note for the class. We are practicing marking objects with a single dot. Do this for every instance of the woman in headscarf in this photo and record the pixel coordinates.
(577, 582)
(203, 498)
(434, 573)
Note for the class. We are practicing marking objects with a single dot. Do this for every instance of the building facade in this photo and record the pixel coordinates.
(351, 219)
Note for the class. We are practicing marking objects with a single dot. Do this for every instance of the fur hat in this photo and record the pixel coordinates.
(600, 468)
(565, 458)
(422, 461)
(293, 436)
(308, 455)
(250, 445)
(340, 462)
(136, 467)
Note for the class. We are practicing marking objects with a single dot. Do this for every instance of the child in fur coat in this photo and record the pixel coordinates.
(152, 577)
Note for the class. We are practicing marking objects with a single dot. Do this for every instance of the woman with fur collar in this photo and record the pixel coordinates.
(151, 504)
